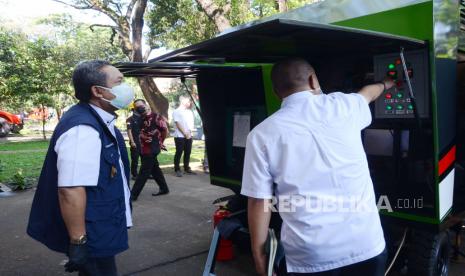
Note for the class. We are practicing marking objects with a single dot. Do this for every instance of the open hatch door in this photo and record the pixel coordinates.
(270, 41)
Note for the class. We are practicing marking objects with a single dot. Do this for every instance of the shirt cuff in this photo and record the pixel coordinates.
(256, 194)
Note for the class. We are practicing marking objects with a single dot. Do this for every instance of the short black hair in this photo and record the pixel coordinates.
(290, 74)
(139, 100)
(87, 74)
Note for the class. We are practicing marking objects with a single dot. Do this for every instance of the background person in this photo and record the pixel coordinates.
(184, 126)
(133, 124)
(312, 148)
(81, 205)
(152, 135)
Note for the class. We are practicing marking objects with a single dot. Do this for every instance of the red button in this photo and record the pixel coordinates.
(398, 61)
(388, 96)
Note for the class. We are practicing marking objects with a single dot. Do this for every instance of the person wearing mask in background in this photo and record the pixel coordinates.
(133, 124)
(81, 206)
(309, 154)
(184, 125)
(152, 135)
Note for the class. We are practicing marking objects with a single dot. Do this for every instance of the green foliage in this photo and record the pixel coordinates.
(19, 181)
(29, 158)
(13, 69)
(176, 90)
(2, 166)
(175, 24)
(36, 71)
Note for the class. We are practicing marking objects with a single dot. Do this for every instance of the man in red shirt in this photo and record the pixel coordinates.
(152, 135)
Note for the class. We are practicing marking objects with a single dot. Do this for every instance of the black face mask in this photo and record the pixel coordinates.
(140, 109)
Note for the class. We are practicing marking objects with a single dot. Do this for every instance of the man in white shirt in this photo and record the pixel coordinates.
(309, 155)
(81, 206)
(183, 118)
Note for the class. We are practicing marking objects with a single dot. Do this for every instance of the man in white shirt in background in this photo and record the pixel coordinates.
(309, 155)
(183, 118)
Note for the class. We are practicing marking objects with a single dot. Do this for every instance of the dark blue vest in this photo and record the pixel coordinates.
(105, 211)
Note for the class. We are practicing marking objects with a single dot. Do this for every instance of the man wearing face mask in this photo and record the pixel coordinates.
(152, 135)
(133, 124)
(81, 206)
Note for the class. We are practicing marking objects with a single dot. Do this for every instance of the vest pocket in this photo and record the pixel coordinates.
(106, 226)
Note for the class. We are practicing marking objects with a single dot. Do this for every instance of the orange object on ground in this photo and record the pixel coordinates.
(225, 248)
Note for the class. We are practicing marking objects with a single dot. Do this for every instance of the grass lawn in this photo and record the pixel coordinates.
(29, 157)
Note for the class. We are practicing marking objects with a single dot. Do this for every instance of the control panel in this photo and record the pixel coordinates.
(396, 102)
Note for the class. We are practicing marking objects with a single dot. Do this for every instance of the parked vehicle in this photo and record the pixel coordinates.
(9, 123)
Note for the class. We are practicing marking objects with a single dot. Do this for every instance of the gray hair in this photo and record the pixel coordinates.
(87, 74)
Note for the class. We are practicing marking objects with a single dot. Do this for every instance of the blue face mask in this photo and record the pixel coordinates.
(124, 95)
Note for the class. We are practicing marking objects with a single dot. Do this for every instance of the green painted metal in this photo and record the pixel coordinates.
(225, 180)
(273, 103)
(410, 217)
(414, 21)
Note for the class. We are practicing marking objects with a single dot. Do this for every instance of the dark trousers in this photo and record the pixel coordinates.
(149, 166)
(182, 145)
(375, 266)
(134, 161)
(99, 267)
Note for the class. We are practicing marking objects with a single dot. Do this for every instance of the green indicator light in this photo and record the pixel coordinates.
(400, 107)
(388, 107)
(400, 95)
(410, 107)
(391, 66)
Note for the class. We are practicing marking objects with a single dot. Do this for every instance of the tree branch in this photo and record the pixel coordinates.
(114, 30)
(101, 7)
(101, 25)
(130, 8)
(88, 7)
(147, 54)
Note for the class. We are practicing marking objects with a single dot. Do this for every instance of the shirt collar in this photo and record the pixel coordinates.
(296, 97)
(107, 117)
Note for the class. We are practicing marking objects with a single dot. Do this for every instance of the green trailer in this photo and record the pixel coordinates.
(416, 142)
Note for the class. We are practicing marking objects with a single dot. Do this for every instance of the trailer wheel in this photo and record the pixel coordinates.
(429, 254)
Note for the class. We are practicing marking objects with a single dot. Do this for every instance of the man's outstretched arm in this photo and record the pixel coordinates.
(373, 91)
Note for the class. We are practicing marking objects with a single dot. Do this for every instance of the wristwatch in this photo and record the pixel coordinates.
(79, 241)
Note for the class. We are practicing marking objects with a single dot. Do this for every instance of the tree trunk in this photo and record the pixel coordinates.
(43, 122)
(158, 103)
(215, 13)
(59, 112)
(152, 94)
(282, 5)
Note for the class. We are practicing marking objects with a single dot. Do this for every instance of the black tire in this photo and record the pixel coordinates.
(4, 128)
(429, 254)
(16, 128)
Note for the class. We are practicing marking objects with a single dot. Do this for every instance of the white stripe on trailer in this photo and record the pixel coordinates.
(446, 194)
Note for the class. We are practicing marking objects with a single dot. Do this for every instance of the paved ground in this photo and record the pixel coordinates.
(171, 235)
